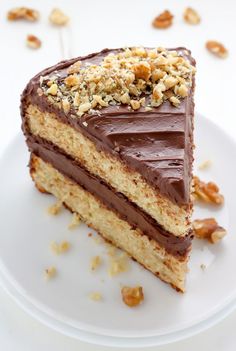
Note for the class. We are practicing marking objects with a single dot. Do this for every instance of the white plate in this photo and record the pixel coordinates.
(26, 231)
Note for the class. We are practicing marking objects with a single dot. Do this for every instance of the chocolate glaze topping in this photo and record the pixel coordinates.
(157, 144)
(117, 202)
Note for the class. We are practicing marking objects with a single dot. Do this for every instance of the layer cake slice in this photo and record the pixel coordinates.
(111, 136)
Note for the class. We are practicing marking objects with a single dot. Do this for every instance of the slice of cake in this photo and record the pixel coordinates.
(111, 136)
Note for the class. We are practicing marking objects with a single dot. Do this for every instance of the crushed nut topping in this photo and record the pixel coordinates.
(33, 42)
(163, 21)
(55, 208)
(118, 264)
(50, 272)
(58, 17)
(95, 262)
(60, 248)
(204, 165)
(75, 221)
(208, 229)
(24, 13)
(207, 192)
(136, 77)
(132, 296)
(216, 48)
(191, 16)
(95, 296)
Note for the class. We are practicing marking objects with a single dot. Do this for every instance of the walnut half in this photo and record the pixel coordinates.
(217, 48)
(209, 229)
(207, 192)
(163, 21)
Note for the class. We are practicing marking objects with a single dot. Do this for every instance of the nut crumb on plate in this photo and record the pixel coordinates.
(205, 164)
(75, 221)
(208, 229)
(60, 248)
(33, 42)
(95, 262)
(163, 21)
(207, 192)
(191, 16)
(132, 296)
(95, 296)
(58, 17)
(24, 13)
(50, 272)
(217, 48)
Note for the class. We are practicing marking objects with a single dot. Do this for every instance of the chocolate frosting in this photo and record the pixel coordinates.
(117, 202)
(158, 144)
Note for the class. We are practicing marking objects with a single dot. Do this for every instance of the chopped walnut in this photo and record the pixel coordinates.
(95, 262)
(207, 192)
(75, 222)
(58, 249)
(191, 16)
(132, 296)
(204, 165)
(208, 229)
(24, 13)
(58, 17)
(50, 272)
(118, 264)
(33, 42)
(55, 208)
(216, 48)
(95, 296)
(163, 21)
(124, 77)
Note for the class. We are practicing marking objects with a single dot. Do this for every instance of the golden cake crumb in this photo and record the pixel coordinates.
(58, 17)
(60, 248)
(33, 42)
(208, 229)
(50, 272)
(118, 264)
(95, 262)
(95, 296)
(24, 13)
(205, 164)
(55, 208)
(75, 221)
(132, 296)
(191, 16)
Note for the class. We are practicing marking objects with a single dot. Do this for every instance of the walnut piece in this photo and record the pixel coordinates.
(217, 48)
(24, 13)
(132, 296)
(33, 42)
(209, 229)
(163, 21)
(207, 192)
(191, 16)
(58, 17)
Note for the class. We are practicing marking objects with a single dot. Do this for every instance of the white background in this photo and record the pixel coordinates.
(95, 25)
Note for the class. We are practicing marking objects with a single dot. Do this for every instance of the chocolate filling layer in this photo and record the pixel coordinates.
(158, 144)
(114, 201)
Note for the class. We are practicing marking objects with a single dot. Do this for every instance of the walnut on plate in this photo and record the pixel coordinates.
(191, 16)
(217, 48)
(208, 229)
(207, 192)
(33, 42)
(24, 13)
(163, 21)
